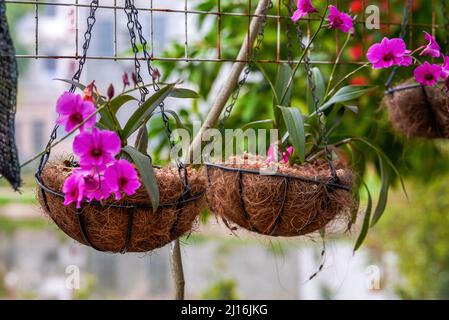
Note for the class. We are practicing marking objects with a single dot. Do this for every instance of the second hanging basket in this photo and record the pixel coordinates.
(296, 200)
(418, 111)
(128, 225)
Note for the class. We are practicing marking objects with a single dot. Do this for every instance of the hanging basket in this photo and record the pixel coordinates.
(418, 111)
(128, 225)
(296, 200)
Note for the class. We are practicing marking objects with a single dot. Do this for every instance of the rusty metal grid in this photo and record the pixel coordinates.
(219, 14)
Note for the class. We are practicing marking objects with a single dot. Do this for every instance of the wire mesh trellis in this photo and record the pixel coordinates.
(390, 22)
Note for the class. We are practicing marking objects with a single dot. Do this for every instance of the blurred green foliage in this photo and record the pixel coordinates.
(418, 232)
(412, 157)
(224, 289)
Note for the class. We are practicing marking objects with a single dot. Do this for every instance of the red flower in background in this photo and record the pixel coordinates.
(356, 6)
(358, 81)
(356, 51)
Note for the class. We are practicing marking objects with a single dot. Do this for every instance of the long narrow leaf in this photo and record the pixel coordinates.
(182, 93)
(267, 79)
(257, 122)
(385, 158)
(144, 112)
(366, 220)
(146, 170)
(383, 195)
(345, 94)
(295, 127)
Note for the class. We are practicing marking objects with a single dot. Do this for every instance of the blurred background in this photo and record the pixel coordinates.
(406, 255)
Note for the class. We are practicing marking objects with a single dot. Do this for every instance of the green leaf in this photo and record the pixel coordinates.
(345, 94)
(116, 103)
(385, 158)
(75, 83)
(147, 174)
(295, 127)
(144, 112)
(366, 220)
(267, 78)
(257, 122)
(319, 83)
(282, 78)
(179, 123)
(108, 115)
(320, 89)
(355, 210)
(184, 94)
(383, 195)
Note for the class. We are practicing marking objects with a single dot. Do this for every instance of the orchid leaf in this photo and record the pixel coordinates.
(147, 175)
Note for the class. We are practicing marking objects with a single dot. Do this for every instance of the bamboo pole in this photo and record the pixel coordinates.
(210, 122)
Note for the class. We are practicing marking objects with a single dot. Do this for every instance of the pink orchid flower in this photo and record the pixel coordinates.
(433, 48)
(445, 68)
(340, 20)
(84, 185)
(388, 53)
(272, 154)
(121, 177)
(95, 186)
(287, 154)
(304, 7)
(428, 74)
(96, 149)
(73, 111)
(73, 189)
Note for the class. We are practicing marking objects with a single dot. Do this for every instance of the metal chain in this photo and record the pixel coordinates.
(249, 67)
(316, 101)
(133, 38)
(289, 26)
(87, 37)
(404, 25)
(133, 23)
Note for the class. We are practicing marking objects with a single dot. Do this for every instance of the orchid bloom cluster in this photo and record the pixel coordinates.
(99, 174)
(393, 52)
(336, 19)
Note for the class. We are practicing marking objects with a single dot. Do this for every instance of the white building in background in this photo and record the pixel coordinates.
(57, 32)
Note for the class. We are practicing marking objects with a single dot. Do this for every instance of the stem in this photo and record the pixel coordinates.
(337, 60)
(345, 78)
(295, 69)
(177, 270)
(40, 154)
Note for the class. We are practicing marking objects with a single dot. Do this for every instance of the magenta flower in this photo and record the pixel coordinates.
(272, 154)
(287, 154)
(73, 189)
(388, 53)
(96, 149)
(445, 68)
(305, 7)
(428, 74)
(73, 111)
(340, 20)
(433, 48)
(95, 188)
(121, 177)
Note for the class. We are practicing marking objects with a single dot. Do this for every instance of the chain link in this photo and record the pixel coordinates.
(249, 67)
(133, 23)
(316, 100)
(87, 37)
(404, 25)
(76, 77)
